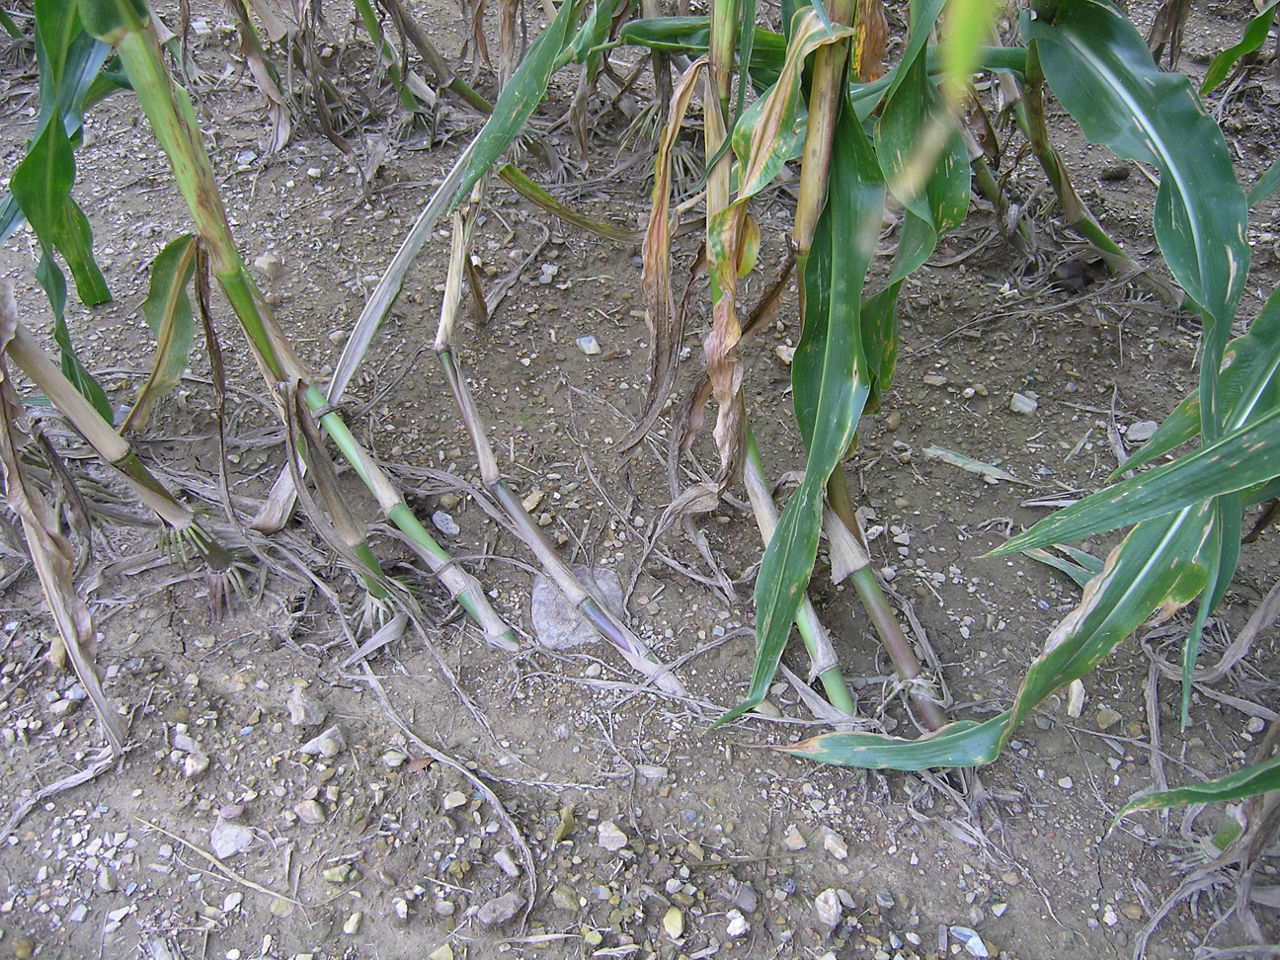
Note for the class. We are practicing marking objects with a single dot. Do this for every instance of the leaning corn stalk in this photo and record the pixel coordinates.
(126, 25)
(631, 647)
(50, 552)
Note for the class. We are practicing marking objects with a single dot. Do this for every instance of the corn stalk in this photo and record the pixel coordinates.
(126, 25)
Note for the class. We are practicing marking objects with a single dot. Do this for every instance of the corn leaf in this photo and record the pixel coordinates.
(1254, 36)
(79, 85)
(831, 384)
(167, 310)
(1080, 574)
(1101, 71)
(520, 181)
(1252, 781)
(1154, 569)
(1249, 381)
(41, 185)
(912, 105)
(1266, 184)
(51, 553)
(1240, 459)
(520, 97)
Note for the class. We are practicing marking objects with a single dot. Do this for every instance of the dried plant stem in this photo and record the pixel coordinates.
(631, 647)
(112, 447)
(895, 641)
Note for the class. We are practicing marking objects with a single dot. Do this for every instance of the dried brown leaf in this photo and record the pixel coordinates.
(51, 553)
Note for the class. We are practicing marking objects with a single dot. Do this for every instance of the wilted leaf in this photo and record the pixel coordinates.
(167, 310)
(1250, 782)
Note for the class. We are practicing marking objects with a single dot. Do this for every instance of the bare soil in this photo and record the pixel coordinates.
(403, 842)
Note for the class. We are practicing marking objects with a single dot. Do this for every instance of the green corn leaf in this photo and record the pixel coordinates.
(167, 310)
(9, 26)
(82, 83)
(1080, 574)
(55, 288)
(520, 97)
(941, 205)
(1154, 568)
(586, 45)
(1219, 556)
(831, 385)
(1100, 69)
(969, 22)
(110, 20)
(1262, 493)
(1252, 781)
(1254, 36)
(1240, 459)
(57, 23)
(41, 185)
(520, 181)
(1249, 382)
(1267, 184)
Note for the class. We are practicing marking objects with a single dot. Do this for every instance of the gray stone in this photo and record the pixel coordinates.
(445, 523)
(327, 745)
(973, 944)
(1022, 404)
(827, 909)
(304, 709)
(610, 837)
(501, 910)
(309, 811)
(741, 895)
(1142, 431)
(556, 624)
(228, 839)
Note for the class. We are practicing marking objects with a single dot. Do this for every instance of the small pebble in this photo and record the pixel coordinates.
(304, 709)
(1107, 718)
(834, 844)
(610, 837)
(454, 799)
(445, 524)
(500, 910)
(737, 925)
(673, 923)
(229, 839)
(588, 345)
(328, 744)
(309, 811)
(352, 926)
(828, 910)
(1142, 431)
(793, 839)
(1022, 404)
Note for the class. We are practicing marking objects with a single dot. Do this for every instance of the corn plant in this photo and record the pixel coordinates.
(820, 101)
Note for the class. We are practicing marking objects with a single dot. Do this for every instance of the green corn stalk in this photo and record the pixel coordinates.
(1185, 541)
(125, 25)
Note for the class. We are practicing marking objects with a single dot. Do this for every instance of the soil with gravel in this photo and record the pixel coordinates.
(438, 798)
